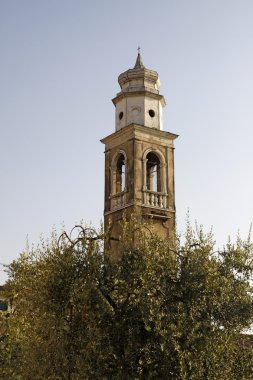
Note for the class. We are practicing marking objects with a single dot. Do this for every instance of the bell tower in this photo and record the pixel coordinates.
(139, 155)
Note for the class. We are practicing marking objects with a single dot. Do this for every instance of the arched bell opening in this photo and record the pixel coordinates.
(154, 179)
(118, 180)
(153, 172)
(120, 174)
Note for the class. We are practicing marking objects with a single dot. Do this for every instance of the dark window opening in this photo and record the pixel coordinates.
(3, 305)
(120, 174)
(121, 115)
(151, 113)
(153, 172)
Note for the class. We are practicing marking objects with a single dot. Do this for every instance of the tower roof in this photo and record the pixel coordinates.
(139, 78)
(139, 63)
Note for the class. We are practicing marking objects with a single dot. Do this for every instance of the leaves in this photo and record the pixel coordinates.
(159, 312)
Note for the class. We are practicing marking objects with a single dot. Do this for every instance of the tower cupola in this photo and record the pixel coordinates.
(139, 101)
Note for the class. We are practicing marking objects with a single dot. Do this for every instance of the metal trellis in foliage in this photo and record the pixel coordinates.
(85, 236)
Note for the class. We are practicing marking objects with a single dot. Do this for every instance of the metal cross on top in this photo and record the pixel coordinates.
(139, 49)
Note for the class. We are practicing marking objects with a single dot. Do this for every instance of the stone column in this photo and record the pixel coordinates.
(107, 180)
(138, 170)
(170, 179)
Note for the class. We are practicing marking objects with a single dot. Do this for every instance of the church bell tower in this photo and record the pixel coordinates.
(139, 155)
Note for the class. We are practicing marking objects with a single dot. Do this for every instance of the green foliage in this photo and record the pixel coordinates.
(159, 312)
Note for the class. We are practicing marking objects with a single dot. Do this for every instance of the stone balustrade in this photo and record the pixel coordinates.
(154, 199)
(150, 198)
(118, 200)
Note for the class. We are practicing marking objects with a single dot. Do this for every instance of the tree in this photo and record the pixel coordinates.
(159, 312)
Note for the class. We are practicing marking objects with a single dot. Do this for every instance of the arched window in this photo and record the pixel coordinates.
(153, 172)
(120, 174)
(118, 190)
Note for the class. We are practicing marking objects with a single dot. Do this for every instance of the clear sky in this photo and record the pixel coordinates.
(58, 73)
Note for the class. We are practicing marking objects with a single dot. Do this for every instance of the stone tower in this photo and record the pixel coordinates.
(139, 155)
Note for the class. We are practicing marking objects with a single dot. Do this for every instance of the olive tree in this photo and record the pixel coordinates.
(163, 310)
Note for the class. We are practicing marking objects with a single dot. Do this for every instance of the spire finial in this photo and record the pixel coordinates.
(139, 63)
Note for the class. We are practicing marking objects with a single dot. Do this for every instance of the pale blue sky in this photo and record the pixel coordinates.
(58, 73)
